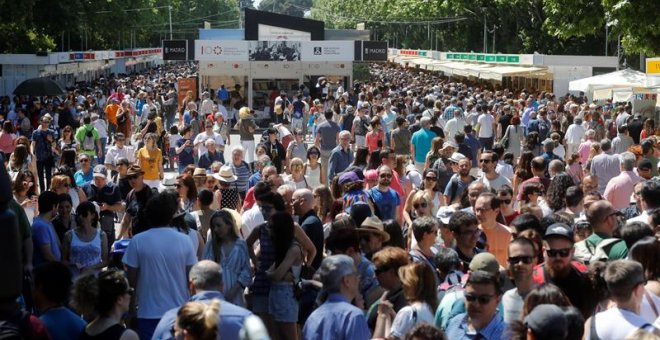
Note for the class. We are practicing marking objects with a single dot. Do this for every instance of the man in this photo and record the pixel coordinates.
(337, 318)
(584, 147)
(52, 285)
(491, 179)
(502, 168)
(650, 200)
(120, 179)
(44, 237)
(454, 125)
(262, 193)
(560, 270)
(135, 220)
(205, 284)
(298, 112)
(648, 153)
(574, 202)
(372, 236)
(548, 151)
(384, 198)
(521, 264)
(89, 139)
(589, 184)
(206, 135)
(459, 182)
(469, 145)
(327, 137)
(486, 131)
(268, 174)
(465, 229)
(573, 137)
(246, 128)
(487, 208)
(119, 150)
(420, 143)
(556, 167)
(527, 112)
(625, 283)
(622, 141)
(606, 165)
(635, 127)
(620, 188)
(223, 94)
(425, 230)
(341, 156)
(297, 148)
(361, 125)
(388, 158)
(538, 176)
(400, 137)
(111, 114)
(603, 219)
(107, 196)
(303, 207)
(482, 320)
(644, 169)
(166, 249)
(44, 141)
(262, 162)
(210, 156)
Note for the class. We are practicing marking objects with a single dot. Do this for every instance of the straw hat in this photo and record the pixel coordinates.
(373, 224)
(225, 175)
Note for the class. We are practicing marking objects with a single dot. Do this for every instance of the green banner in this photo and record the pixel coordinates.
(481, 57)
(513, 59)
(490, 58)
(501, 59)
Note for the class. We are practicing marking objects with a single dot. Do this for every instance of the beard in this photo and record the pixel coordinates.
(558, 269)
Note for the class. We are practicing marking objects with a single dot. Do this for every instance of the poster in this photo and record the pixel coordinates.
(274, 50)
(328, 51)
(185, 85)
(218, 50)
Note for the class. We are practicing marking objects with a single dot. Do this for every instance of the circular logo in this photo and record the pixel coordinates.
(217, 50)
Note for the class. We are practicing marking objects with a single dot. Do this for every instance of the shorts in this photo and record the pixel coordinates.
(282, 305)
(259, 304)
(249, 147)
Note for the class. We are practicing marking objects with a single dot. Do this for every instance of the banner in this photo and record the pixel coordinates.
(185, 85)
(327, 50)
(220, 50)
(175, 50)
(374, 50)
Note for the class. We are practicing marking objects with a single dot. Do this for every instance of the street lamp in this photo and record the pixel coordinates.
(483, 10)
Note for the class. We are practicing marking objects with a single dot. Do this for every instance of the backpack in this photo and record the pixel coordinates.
(88, 143)
(587, 253)
(538, 275)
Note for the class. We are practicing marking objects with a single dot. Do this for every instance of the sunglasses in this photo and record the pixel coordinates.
(385, 175)
(558, 252)
(481, 299)
(485, 161)
(506, 201)
(430, 178)
(84, 160)
(422, 205)
(517, 259)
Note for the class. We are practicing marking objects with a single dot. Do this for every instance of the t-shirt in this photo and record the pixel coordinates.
(63, 324)
(512, 304)
(186, 155)
(455, 188)
(328, 131)
(43, 150)
(244, 126)
(498, 242)
(150, 162)
(111, 113)
(409, 316)
(85, 142)
(386, 202)
(43, 233)
(616, 323)
(81, 177)
(422, 141)
(135, 203)
(109, 194)
(494, 184)
(401, 139)
(162, 257)
(486, 121)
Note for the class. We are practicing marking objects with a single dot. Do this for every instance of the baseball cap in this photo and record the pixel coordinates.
(444, 214)
(486, 262)
(548, 320)
(449, 144)
(100, 171)
(559, 229)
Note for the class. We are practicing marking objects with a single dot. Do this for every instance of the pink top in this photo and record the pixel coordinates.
(620, 188)
(583, 151)
(372, 139)
(7, 142)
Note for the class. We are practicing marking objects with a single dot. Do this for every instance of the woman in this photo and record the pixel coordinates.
(185, 186)
(230, 196)
(505, 195)
(68, 158)
(150, 159)
(260, 150)
(546, 293)
(197, 321)
(225, 247)
(533, 144)
(67, 141)
(7, 137)
(375, 139)
(434, 153)
(647, 252)
(418, 205)
(530, 194)
(297, 176)
(648, 130)
(107, 297)
(65, 220)
(574, 168)
(25, 193)
(556, 195)
(513, 137)
(284, 273)
(85, 248)
(420, 289)
(20, 160)
(594, 150)
(62, 184)
(523, 170)
(241, 170)
(353, 191)
(361, 159)
(323, 203)
(314, 172)
(430, 191)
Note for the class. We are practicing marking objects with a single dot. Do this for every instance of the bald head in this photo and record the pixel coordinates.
(268, 171)
(599, 214)
(303, 201)
(206, 276)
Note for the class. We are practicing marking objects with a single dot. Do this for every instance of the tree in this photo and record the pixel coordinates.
(294, 8)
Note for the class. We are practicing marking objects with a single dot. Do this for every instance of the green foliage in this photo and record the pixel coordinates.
(295, 8)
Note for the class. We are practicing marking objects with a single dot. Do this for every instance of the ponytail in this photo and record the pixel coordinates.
(199, 320)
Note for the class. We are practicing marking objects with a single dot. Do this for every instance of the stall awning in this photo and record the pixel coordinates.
(490, 71)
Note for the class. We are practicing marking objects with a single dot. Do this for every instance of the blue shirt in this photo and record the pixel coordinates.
(475, 146)
(458, 328)
(422, 140)
(386, 202)
(336, 319)
(82, 178)
(63, 324)
(186, 156)
(338, 162)
(367, 272)
(43, 147)
(207, 159)
(230, 320)
(526, 116)
(43, 233)
(254, 179)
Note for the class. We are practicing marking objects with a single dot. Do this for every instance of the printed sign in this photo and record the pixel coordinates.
(219, 50)
(374, 50)
(327, 50)
(175, 50)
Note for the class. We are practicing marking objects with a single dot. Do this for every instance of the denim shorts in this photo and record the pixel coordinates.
(282, 305)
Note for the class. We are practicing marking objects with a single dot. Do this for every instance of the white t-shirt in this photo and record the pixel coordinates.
(504, 169)
(409, 316)
(453, 126)
(202, 137)
(486, 121)
(114, 153)
(616, 324)
(250, 220)
(512, 305)
(162, 257)
(174, 139)
(495, 184)
(574, 134)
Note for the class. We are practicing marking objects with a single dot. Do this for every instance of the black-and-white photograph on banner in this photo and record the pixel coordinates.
(274, 50)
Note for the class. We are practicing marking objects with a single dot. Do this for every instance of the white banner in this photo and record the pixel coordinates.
(327, 51)
(221, 50)
(272, 33)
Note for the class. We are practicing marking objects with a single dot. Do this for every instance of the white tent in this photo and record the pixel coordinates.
(623, 78)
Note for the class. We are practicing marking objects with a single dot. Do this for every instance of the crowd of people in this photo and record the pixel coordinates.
(408, 206)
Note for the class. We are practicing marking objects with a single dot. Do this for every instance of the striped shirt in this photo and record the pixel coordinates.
(243, 173)
(236, 269)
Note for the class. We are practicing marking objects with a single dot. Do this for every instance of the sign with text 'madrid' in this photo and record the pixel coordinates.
(221, 50)
(175, 49)
(327, 50)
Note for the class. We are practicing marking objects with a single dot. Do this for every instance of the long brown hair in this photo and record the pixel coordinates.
(418, 283)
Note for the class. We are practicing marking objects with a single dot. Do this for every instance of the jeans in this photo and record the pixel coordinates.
(101, 155)
(45, 172)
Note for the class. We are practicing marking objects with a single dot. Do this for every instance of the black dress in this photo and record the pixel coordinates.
(111, 333)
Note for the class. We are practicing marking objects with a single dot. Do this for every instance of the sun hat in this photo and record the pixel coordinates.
(225, 175)
(374, 225)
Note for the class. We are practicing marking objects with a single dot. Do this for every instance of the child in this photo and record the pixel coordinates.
(172, 137)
